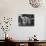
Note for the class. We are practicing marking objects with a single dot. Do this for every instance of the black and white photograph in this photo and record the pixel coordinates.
(26, 20)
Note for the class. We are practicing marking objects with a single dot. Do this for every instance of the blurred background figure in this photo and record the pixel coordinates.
(34, 38)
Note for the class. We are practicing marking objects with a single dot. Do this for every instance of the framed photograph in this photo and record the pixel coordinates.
(26, 20)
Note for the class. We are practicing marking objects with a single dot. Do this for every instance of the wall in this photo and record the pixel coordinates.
(13, 8)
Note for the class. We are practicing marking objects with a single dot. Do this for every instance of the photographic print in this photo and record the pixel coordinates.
(26, 20)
